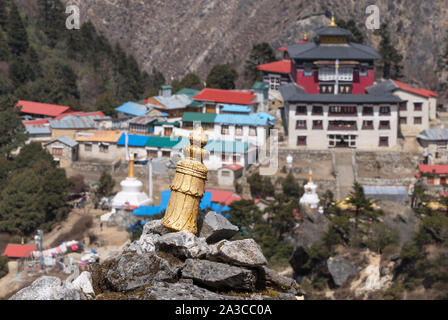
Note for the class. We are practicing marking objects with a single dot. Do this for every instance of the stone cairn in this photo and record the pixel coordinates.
(169, 262)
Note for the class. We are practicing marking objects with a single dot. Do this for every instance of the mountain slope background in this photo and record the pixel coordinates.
(181, 36)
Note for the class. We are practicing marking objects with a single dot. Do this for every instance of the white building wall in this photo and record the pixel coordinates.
(411, 129)
(318, 138)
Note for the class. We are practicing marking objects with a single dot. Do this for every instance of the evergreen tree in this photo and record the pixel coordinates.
(106, 185)
(3, 13)
(191, 81)
(359, 200)
(20, 72)
(222, 77)
(357, 36)
(52, 20)
(12, 131)
(390, 57)
(4, 49)
(291, 187)
(17, 35)
(107, 104)
(261, 53)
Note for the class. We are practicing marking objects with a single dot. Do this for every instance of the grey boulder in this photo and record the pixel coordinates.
(340, 269)
(219, 276)
(156, 227)
(84, 283)
(48, 288)
(183, 244)
(132, 270)
(215, 228)
(241, 253)
(146, 244)
(273, 279)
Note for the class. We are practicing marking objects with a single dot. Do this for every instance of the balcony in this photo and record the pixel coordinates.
(342, 112)
(384, 127)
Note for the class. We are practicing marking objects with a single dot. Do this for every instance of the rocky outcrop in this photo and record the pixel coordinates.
(216, 228)
(48, 288)
(340, 269)
(168, 265)
(200, 34)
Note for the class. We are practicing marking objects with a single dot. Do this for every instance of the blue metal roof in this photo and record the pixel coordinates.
(387, 190)
(65, 140)
(242, 119)
(75, 122)
(434, 134)
(133, 109)
(134, 140)
(236, 108)
(38, 129)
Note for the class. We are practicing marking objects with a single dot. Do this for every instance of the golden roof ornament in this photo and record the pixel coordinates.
(332, 23)
(305, 36)
(187, 188)
(310, 176)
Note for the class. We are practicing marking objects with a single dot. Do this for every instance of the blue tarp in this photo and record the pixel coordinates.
(206, 202)
(134, 140)
(236, 108)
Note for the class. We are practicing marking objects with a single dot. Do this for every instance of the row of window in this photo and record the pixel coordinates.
(417, 120)
(418, 106)
(342, 125)
(225, 129)
(337, 110)
(342, 141)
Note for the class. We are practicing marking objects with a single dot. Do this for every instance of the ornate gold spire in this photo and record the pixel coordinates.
(187, 188)
(311, 176)
(131, 168)
(305, 36)
(332, 23)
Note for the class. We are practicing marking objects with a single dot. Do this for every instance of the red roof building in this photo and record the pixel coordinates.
(222, 196)
(43, 109)
(283, 66)
(226, 96)
(79, 114)
(233, 167)
(418, 91)
(18, 250)
(433, 168)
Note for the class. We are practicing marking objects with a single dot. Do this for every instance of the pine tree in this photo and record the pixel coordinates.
(391, 58)
(12, 131)
(222, 77)
(17, 35)
(261, 53)
(4, 49)
(3, 13)
(52, 20)
(357, 36)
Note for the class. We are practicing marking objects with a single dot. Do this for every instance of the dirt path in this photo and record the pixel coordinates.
(345, 177)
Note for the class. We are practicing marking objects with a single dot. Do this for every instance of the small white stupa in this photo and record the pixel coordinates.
(310, 198)
(131, 191)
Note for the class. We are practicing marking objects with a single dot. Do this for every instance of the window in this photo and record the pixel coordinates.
(223, 157)
(104, 148)
(367, 111)
(57, 151)
(418, 106)
(239, 130)
(342, 111)
(88, 147)
(166, 154)
(384, 111)
(403, 120)
(363, 71)
(403, 106)
(168, 131)
(225, 173)
(367, 125)
(301, 140)
(345, 89)
(210, 108)
(384, 141)
(418, 120)
(384, 124)
(301, 110)
(301, 124)
(317, 110)
(274, 82)
(317, 125)
(430, 180)
(327, 89)
(152, 153)
(224, 129)
(308, 70)
(252, 131)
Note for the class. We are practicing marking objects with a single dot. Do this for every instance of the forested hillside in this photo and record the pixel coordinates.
(41, 60)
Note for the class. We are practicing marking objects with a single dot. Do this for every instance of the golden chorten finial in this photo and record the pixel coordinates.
(305, 36)
(187, 188)
(131, 168)
(332, 23)
(310, 176)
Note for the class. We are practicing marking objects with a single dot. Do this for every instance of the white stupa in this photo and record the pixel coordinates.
(310, 198)
(131, 191)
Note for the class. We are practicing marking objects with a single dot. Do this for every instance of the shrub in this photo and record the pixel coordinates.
(4, 270)
(394, 292)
